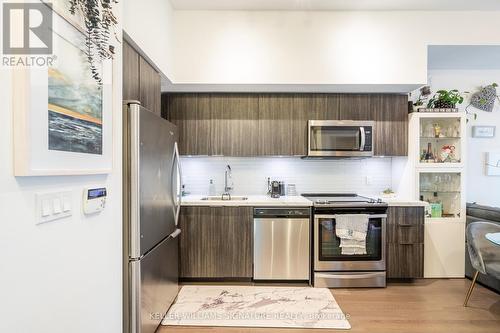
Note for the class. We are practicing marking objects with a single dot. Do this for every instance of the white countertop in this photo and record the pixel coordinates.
(288, 201)
(253, 200)
(397, 201)
(404, 203)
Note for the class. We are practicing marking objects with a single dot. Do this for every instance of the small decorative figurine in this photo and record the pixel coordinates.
(437, 130)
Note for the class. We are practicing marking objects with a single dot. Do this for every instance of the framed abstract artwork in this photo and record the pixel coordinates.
(62, 115)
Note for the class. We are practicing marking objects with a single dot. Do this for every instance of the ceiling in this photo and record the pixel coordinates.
(336, 4)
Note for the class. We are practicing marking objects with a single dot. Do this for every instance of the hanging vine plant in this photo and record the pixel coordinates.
(99, 23)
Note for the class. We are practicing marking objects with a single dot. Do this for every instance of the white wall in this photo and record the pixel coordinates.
(62, 276)
(337, 48)
(250, 174)
(149, 24)
(480, 188)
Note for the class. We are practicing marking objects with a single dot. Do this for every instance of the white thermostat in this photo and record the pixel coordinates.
(94, 199)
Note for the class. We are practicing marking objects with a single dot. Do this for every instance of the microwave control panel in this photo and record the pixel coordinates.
(368, 138)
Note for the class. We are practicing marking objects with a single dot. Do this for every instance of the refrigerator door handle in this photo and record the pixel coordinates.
(135, 297)
(176, 233)
(135, 188)
(176, 191)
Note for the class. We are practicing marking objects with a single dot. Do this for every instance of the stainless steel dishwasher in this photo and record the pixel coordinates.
(281, 244)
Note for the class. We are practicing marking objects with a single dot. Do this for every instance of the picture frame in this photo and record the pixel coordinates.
(62, 118)
(483, 131)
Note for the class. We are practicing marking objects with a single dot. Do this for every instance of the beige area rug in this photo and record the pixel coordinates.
(250, 306)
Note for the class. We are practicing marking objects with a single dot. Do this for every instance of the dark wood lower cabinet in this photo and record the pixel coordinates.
(216, 243)
(405, 242)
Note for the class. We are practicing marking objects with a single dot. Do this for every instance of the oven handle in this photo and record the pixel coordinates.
(347, 276)
(374, 216)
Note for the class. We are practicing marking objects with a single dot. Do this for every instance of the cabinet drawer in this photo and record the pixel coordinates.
(409, 216)
(410, 234)
(405, 261)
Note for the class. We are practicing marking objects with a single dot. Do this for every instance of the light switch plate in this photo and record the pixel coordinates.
(52, 206)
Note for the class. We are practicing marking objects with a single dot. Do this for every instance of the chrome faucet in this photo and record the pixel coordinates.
(227, 179)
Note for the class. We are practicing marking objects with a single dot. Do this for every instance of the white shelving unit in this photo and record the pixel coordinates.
(437, 153)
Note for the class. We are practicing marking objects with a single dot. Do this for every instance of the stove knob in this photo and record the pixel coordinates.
(379, 201)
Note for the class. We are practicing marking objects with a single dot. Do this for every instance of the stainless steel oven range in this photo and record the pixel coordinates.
(332, 268)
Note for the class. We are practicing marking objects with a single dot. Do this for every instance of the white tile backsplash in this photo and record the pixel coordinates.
(250, 174)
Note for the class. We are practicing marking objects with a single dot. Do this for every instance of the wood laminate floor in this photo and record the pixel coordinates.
(421, 306)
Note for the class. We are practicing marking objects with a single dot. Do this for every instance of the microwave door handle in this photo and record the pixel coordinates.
(363, 138)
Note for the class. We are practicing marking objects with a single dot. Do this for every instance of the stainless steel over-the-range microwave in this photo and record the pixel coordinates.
(340, 138)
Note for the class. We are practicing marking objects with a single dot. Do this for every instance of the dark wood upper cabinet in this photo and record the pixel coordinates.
(191, 114)
(276, 124)
(354, 107)
(234, 125)
(390, 113)
(149, 87)
(405, 242)
(130, 73)
(141, 82)
(300, 112)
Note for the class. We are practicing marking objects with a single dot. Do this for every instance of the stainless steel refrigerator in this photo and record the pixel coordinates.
(151, 202)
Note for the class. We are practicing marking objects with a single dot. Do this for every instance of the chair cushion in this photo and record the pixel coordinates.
(493, 268)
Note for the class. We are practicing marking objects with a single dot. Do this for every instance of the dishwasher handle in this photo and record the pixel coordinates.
(281, 212)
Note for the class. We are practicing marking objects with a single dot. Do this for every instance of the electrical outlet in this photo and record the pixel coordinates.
(369, 180)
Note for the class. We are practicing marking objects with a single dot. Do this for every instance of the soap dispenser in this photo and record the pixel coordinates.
(211, 187)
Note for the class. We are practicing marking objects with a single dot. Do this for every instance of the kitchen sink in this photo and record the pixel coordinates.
(224, 198)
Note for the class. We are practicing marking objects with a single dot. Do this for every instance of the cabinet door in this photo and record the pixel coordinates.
(236, 238)
(299, 115)
(196, 245)
(234, 125)
(130, 73)
(149, 87)
(191, 114)
(390, 113)
(216, 242)
(275, 125)
(165, 104)
(405, 261)
(354, 107)
(405, 242)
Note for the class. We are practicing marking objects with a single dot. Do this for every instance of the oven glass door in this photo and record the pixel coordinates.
(335, 138)
(329, 244)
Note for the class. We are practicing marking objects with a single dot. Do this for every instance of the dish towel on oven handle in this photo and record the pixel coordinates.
(352, 229)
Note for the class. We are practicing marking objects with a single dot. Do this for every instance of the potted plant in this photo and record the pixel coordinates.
(100, 24)
(422, 98)
(445, 99)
